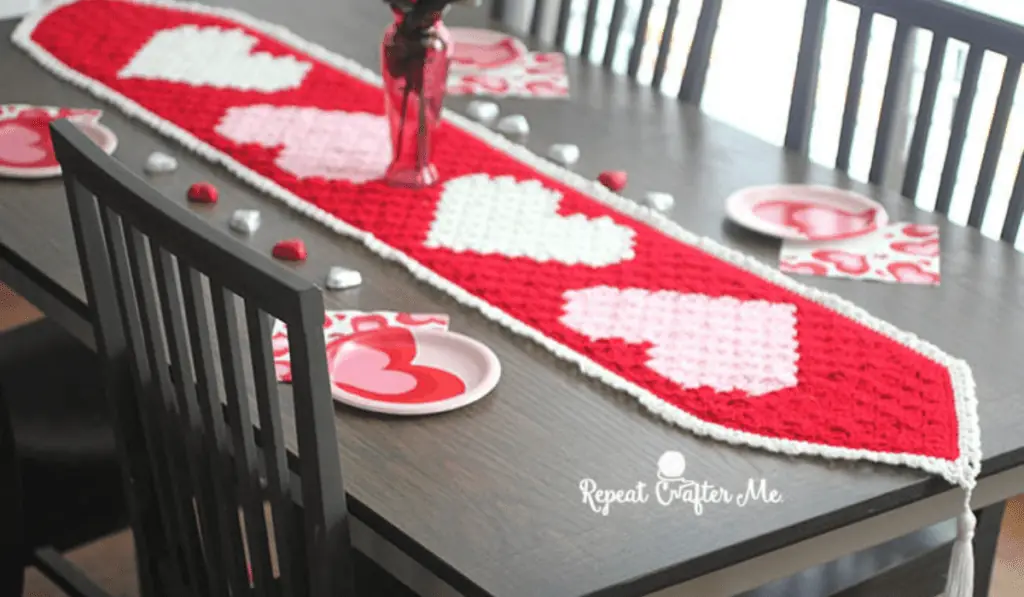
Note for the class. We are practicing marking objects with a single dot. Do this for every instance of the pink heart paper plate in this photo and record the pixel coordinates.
(482, 49)
(25, 147)
(401, 371)
(805, 212)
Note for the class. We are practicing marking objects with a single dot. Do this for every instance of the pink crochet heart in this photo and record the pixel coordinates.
(719, 342)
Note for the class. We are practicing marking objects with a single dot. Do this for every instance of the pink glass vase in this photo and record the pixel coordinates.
(414, 90)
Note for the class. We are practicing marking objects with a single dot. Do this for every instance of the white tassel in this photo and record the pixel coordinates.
(960, 580)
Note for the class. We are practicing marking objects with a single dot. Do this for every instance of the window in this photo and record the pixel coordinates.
(751, 75)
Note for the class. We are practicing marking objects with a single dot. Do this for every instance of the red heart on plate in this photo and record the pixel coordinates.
(25, 138)
(292, 249)
(613, 179)
(848, 263)
(21, 146)
(813, 220)
(378, 365)
(921, 248)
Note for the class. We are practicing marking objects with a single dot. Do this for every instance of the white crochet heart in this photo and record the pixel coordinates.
(722, 343)
(503, 216)
(215, 57)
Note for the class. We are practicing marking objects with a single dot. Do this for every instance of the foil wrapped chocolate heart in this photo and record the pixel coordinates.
(515, 124)
(341, 278)
(159, 163)
(246, 221)
(659, 201)
(482, 111)
(564, 153)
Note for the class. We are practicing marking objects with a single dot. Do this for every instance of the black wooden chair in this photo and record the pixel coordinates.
(210, 479)
(984, 34)
(59, 473)
(556, 15)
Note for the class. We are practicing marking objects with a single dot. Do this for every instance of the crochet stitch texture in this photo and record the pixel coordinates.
(703, 336)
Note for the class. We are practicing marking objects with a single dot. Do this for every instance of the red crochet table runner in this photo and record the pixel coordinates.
(704, 337)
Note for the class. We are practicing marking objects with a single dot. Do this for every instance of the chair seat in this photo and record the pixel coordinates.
(53, 389)
(70, 482)
(68, 505)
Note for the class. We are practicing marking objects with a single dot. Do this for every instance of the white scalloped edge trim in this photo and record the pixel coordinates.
(962, 472)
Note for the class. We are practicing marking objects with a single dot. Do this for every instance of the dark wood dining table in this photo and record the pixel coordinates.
(486, 501)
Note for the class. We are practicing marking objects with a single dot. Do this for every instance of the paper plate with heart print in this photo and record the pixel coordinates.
(401, 371)
(482, 49)
(25, 147)
(805, 212)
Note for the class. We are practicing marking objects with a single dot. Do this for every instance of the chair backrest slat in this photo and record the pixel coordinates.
(272, 441)
(1015, 210)
(226, 534)
(538, 20)
(925, 112)
(958, 129)
(182, 376)
(246, 461)
(805, 79)
(855, 83)
(614, 32)
(665, 45)
(131, 322)
(589, 26)
(994, 142)
(636, 52)
(697, 63)
(562, 26)
(186, 375)
(316, 416)
(120, 376)
(167, 423)
(891, 104)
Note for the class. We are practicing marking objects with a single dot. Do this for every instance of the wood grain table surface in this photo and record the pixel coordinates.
(487, 498)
